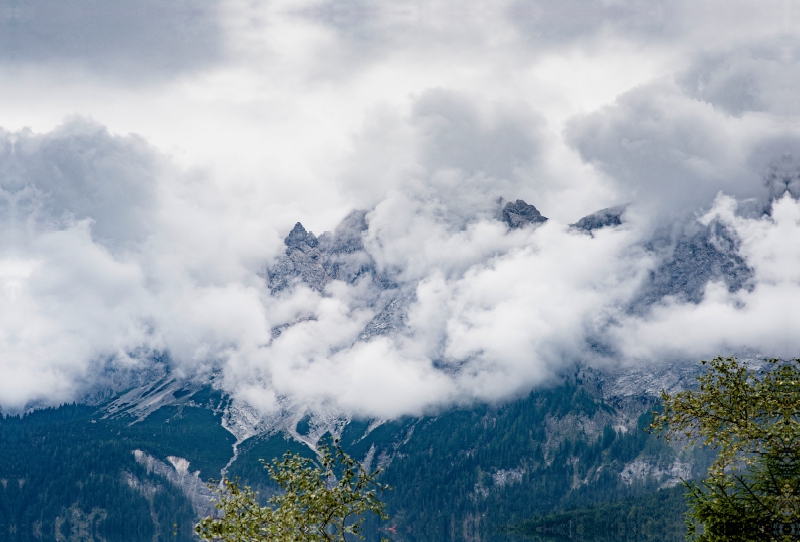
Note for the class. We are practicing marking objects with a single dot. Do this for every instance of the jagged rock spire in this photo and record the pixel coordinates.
(518, 214)
(299, 236)
(611, 216)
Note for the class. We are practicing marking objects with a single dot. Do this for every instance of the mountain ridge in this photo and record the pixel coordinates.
(460, 473)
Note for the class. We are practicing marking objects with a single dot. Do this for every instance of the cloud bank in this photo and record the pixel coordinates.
(127, 40)
(123, 254)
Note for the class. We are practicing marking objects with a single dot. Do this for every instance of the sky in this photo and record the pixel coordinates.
(154, 155)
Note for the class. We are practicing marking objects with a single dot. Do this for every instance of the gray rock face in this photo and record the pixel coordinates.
(340, 256)
(334, 256)
(344, 257)
(519, 214)
(301, 261)
(610, 217)
(139, 402)
(178, 474)
(689, 260)
(710, 253)
(390, 319)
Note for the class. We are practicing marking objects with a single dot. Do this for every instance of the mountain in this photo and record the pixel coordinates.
(609, 217)
(468, 473)
(700, 254)
(462, 474)
(131, 461)
(519, 214)
(336, 256)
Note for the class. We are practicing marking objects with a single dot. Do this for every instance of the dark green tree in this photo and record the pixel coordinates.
(318, 502)
(751, 416)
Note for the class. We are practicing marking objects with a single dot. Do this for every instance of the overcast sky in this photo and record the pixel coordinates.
(155, 153)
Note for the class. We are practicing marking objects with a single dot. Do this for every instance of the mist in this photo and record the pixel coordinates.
(142, 231)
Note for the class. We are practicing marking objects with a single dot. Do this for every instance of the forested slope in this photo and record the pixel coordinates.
(70, 473)
(472, 473)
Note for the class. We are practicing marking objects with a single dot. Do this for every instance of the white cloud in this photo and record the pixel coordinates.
(68, 307)
(760, 320)
(255, 115)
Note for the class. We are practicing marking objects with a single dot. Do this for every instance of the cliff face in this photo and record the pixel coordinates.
(316, 261)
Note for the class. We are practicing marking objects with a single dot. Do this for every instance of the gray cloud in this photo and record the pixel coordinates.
(113, 259)
(455, 152)
(562, 22)
(369, 32)
(752, 77)
(669, 149)
(453, 135)
(80, 171)
(126, 39)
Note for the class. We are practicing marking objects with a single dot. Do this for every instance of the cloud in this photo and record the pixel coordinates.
(73, 201)
(69, 308)
(557, 22)
(366, 33)
(758, 321)
(100, 271)
(79, 171)
(93, 277)
(103, 270)
(666, 148)
(454, 136)
(493, 313)
(126, 39)
(750, 77)
(457, 152)
(126, 253)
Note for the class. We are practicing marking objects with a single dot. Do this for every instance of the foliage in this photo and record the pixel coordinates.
(751, 417)
(314, 505)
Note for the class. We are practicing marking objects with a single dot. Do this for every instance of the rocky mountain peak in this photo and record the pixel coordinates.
(688, 260)
(316, 261)
(611, 216)
(301, 261)
(346, 239)
(697, 255)
(299, 236)
(519, 214)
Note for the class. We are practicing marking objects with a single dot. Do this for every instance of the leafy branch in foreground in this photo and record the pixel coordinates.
(751, 417)
(319, 502)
